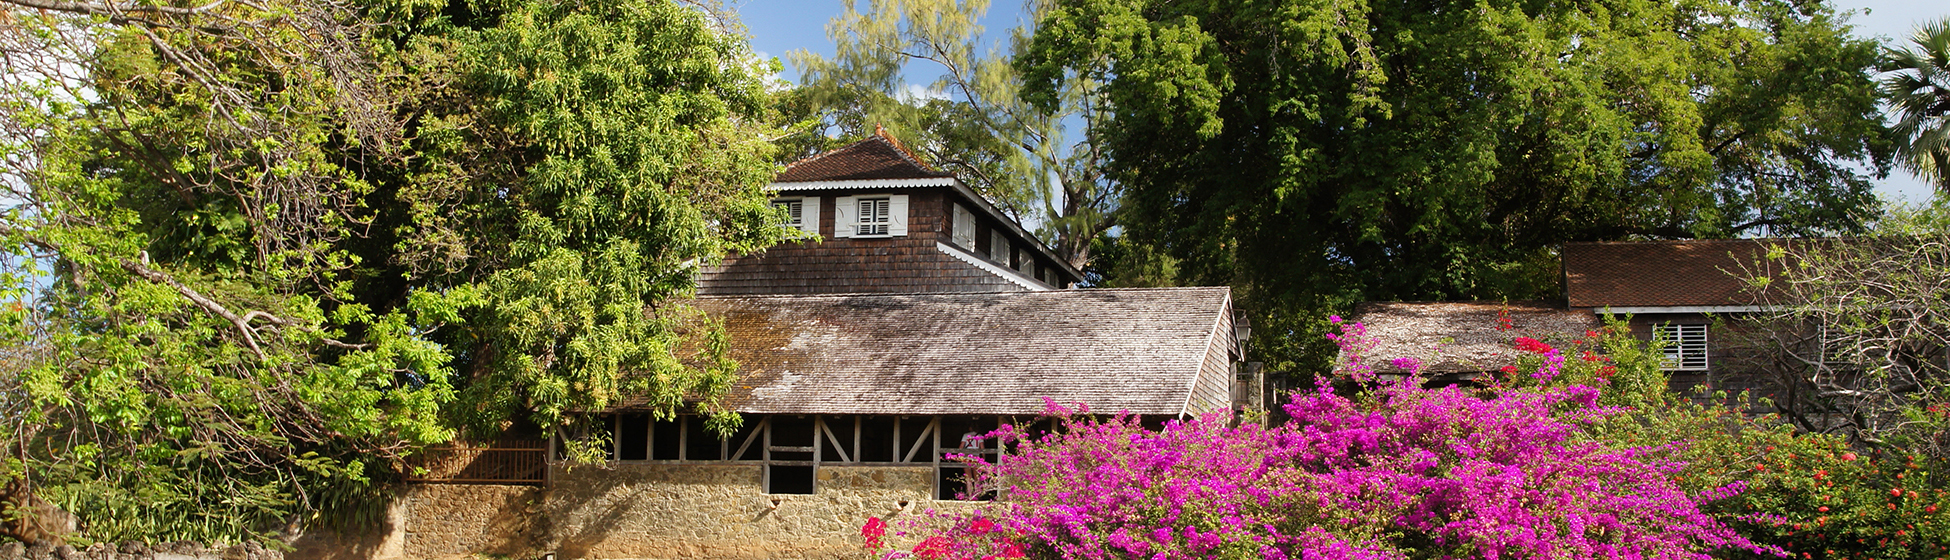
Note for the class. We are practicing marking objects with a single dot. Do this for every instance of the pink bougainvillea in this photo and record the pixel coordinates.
(1399, 471)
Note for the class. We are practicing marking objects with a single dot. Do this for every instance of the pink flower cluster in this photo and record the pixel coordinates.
(1399, 472)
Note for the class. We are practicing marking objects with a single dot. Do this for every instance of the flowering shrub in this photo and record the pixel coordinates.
(1397, 472)
(1820, 500)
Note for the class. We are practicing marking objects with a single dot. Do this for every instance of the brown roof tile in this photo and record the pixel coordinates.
(877, 157)
(1456, 337)
(1663, 273)
(1136, 350)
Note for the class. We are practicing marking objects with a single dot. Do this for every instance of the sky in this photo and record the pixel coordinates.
(781, 26)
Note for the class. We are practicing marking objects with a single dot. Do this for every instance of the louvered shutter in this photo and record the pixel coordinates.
(845, 216)
(1685, 346)
(809, 215)
(963, 228)
(897, 215)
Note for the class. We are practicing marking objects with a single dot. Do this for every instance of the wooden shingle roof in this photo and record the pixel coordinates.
(1136, 350)
(877, 157)
(1701, 273)
(1459, 337)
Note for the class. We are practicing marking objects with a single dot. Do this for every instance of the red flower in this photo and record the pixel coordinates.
(1528, 344)
(1014, 550)
(980, 526)
(1509, 369)
(872, 531)
(1848, 456)
(1589, 356)
(1607, 371)
(935, 548)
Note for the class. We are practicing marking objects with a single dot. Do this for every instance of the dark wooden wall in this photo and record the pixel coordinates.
(865, 265)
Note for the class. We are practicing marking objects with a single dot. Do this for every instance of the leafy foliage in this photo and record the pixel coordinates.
(1398, 471)
(972, 120)
(263, 251)
(1918, 89)
(1314, 154)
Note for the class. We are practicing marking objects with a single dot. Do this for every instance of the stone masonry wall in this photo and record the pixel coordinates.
(437, 521)
(647, 511)
(717, 511)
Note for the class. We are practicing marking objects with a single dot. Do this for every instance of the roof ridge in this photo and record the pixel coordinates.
(881, 133)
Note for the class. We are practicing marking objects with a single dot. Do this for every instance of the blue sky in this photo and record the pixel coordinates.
(780, 26)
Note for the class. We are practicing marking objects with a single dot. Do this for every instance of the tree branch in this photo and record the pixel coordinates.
(90, 8)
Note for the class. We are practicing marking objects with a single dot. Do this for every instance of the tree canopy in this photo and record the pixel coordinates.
(1918, 88)
(261, 251)
(1318, 153)
(972, 120)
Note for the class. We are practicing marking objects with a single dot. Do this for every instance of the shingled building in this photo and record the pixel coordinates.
(1673, 291)
(880, 221)
(912, 319)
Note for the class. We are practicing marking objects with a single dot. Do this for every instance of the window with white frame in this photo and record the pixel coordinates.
(874, 217)
(870, 216)
(962, 229)
(998, 248)
(1684, 346)
(1026, 262)
(800, 213)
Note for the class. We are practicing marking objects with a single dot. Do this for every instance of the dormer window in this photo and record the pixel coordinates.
(871, 216)
(962, 229)
(800, 213)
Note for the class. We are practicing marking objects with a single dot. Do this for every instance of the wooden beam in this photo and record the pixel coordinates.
(923, 438)
(837, 446)
(749, 439)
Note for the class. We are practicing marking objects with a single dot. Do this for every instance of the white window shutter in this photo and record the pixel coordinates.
(809, 216)
(845, 216)
(963, 228)
(897, 215)
(998, 247)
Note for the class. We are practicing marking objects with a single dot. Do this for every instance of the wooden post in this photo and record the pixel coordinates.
(765, 468)
(934, 427)
(819, 445)
(683, 437)
(856, 439)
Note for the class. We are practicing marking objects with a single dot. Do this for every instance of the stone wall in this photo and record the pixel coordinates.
(717, 511)
(650, 511)
(435, 521)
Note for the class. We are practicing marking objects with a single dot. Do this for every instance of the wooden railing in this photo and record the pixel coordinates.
(501, 462)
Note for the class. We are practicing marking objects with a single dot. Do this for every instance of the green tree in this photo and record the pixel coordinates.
(972, 119)
(263, 251)
(1919, 92)
(1316, 153)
